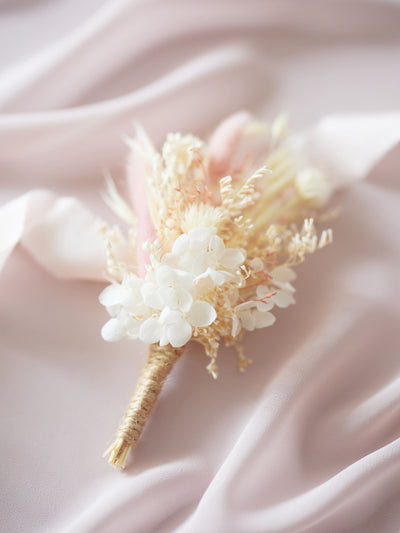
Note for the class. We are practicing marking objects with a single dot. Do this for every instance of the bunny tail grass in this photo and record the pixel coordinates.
(158, 365)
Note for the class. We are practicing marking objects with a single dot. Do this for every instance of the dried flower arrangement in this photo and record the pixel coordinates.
(216, 229)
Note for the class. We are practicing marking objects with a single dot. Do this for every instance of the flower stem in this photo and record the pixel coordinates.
(158, 365)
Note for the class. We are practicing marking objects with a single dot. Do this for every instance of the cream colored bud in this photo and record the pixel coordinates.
(312, 186)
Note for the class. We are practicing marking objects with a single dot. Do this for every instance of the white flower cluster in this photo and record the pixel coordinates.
(167, 304)
(255, 313)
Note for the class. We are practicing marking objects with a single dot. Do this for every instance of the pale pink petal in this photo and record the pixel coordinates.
(136, 173)
(224, 144)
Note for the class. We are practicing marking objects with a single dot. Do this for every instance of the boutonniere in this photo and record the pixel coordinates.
(216, 231)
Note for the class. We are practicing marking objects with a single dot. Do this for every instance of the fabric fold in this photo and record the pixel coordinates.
(60, 233)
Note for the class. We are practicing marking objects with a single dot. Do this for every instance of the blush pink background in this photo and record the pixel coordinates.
(308, 439)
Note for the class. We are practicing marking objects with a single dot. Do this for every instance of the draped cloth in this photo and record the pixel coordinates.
(307, 440)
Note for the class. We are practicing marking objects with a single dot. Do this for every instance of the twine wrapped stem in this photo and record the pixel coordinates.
(158, 365)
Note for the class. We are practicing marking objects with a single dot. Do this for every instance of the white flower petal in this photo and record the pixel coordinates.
(203, 284)
(248, 320)
(169, 316)
(206, 281)
(176, 298)
(233, 296)
(132, 327)
(185, 300)
(201, 235)
(218, 276)
(179, 333)
(263, 306)
(164, 337)
(201, 314)
(165, 275)
(151, 296)
(133, 302)
(244, 306)
(263, 320)
(181, 244)
(198, 263)
(112, 295)
(150, 331)
(284, 286)
(283, 299)
(171, 260)
(184, 279)
(262, 291)
(256, 265)
(132, 282)
(113, 310)
(113, 330)
(216, 246)
(235, 326)
(232, 258)
(283, 274)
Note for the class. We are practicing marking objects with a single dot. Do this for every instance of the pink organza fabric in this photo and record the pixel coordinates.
(308, 439)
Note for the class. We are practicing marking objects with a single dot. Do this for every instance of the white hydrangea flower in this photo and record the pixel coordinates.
(179, 311)
(124, 303)
(168, 287)
(253, 314)
(282, 276)
(165, 306)
(202, 253)
(176, 327)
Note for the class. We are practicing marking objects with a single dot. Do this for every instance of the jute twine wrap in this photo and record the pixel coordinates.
(158, 365)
